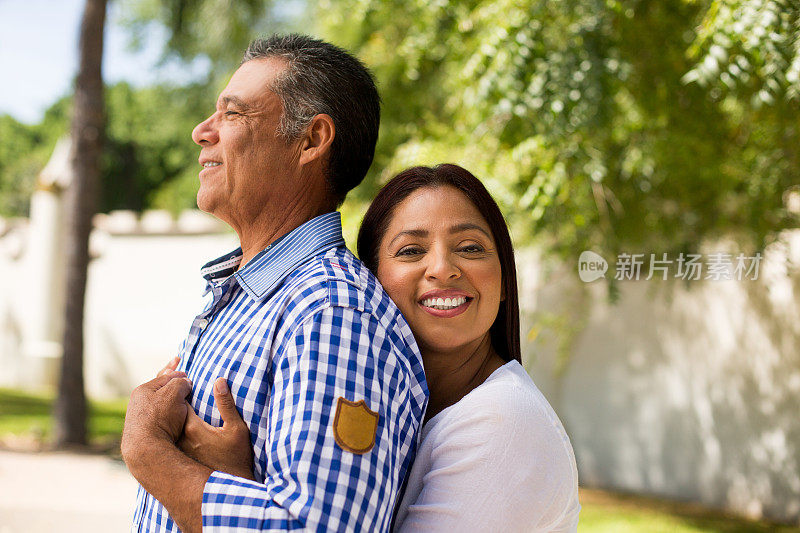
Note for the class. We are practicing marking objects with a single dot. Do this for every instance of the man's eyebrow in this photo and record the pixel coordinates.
(412, 232)
(468, 226)
(235, 100)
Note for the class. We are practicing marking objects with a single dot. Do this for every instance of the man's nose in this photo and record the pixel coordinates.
(441, 266)
(205, 132)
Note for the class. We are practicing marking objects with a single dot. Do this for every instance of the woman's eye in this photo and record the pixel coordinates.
(472, 248)
(409, 251)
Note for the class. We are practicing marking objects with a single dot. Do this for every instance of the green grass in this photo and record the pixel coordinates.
(30, 416)
(605, 512)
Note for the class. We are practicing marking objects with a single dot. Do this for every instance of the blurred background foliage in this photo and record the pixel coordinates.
(611, 125)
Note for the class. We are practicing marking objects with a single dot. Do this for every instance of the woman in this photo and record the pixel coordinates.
(493, 456)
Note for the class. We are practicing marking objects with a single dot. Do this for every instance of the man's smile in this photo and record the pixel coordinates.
(205, 162)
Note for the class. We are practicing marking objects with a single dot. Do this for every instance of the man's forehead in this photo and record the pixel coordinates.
(232, 99)
(252, 83)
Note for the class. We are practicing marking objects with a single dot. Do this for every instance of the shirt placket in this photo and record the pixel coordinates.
(221, 293)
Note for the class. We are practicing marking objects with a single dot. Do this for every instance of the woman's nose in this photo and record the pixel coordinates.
(441, 267)
(205, 133)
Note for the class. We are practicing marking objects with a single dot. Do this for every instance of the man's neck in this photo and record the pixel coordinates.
(270, 224)
(255, 238)
(451, 375)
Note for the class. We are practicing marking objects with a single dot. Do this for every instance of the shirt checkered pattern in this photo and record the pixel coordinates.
(301, 325)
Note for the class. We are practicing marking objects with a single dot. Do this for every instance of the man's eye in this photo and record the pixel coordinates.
(230, 113)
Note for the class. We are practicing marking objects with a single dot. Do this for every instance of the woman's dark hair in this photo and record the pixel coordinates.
(505, 330)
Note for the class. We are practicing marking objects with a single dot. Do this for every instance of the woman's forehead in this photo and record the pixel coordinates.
(442, 209)
(444, 204)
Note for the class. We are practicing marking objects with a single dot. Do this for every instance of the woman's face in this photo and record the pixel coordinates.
(438, 262)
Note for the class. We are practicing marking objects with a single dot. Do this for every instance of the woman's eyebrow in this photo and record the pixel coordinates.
(465, 226)
(412, 232)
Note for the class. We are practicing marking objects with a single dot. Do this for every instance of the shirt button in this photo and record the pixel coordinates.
(202, 323)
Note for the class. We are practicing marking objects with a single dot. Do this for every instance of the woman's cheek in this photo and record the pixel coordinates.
(396, 283)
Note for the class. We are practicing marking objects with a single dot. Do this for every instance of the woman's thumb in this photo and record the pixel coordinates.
(224, 401)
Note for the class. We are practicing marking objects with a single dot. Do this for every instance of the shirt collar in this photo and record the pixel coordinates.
(262, 274)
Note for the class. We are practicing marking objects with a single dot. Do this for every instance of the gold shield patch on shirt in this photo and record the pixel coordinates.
(354, 426)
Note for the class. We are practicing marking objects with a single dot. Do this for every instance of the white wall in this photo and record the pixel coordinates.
(686, 390)
(142, 296)
(144, 288)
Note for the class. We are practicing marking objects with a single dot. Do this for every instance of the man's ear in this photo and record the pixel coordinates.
(318, 139)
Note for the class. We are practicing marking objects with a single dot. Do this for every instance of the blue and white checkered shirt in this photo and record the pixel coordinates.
(300, 326)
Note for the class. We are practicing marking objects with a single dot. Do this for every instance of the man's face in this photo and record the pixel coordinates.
(249, 169)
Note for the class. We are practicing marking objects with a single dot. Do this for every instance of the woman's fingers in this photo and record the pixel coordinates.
(227, 448)
(224, 400)
(191, 416)
(194, 429)
(172, 365)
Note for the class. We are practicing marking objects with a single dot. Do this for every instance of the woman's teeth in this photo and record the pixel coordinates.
(444, 303)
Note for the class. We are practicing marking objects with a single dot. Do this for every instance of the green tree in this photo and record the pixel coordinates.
(150, 159)
(217, 30)
(16, 170)
(751, 47)
(578, 116)
(23, 154)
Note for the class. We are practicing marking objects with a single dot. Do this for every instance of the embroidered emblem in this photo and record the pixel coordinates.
(354, 426)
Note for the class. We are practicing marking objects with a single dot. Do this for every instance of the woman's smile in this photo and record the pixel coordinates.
(445, 303)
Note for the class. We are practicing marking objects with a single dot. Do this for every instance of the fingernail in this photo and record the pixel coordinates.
(222, 386)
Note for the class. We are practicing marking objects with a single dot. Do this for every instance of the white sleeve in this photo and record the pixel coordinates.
(497, 466)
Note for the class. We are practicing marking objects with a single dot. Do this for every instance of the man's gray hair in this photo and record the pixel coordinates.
(299, 107)
(321, 78)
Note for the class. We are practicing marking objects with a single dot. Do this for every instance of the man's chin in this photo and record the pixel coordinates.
(205, 202)
(204, 205)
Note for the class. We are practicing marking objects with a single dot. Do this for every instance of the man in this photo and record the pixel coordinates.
(299, 336)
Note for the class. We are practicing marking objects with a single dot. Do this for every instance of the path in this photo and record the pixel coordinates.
(68, 493)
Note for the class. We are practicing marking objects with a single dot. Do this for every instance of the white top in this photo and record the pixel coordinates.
(496, 460)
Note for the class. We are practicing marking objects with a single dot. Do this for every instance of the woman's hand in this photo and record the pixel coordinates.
(171, 366)
(227, 448)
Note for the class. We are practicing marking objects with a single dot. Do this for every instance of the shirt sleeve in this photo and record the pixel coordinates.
(311, 482)
(496, 466)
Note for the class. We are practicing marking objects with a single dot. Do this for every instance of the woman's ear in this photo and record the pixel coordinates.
(318, 139)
